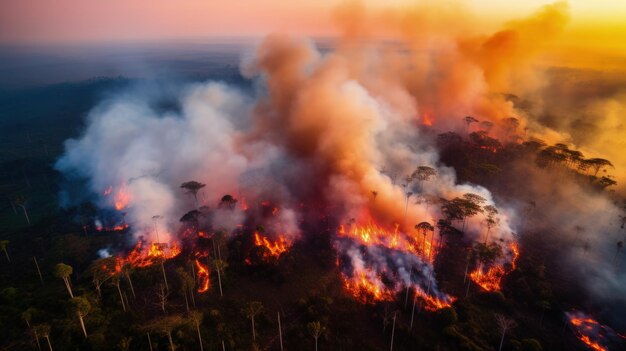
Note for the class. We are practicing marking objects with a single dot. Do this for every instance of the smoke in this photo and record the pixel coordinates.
(337, 131)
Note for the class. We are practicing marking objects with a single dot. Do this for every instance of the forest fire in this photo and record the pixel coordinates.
(142, 257)
(203, 277)
(274, 248)
(491, 279)
(589, 331)
(121, 198)
(377, 263)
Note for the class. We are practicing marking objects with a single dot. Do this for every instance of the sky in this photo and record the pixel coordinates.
(87, 20)
(597, 27)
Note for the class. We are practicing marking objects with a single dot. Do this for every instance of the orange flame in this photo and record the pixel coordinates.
(275, 248)
(366, 285)
(427, 119)
(586, 327)
(140, 257)
(203, 277)
(491, 280)
(122, 199)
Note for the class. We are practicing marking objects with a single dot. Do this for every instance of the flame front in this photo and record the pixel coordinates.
(140, 257)
(274, 248)
(589, 331)
(369, 280)
(491, 280)
(203, 277)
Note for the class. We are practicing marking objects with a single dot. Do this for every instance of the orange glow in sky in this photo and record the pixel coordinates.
(598, 25)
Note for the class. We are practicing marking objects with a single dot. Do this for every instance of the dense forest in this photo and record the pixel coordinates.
(69, 282)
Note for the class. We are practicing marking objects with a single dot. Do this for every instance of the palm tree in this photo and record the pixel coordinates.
(193, 187)
(504, 324)
(219, 267)
(81, 306)
(196, 318)
(166, 326)
(21, 202)
(252, 309)
(27, 316)
(44, 331)
(64, 271)
(3, 247)
(316, 330)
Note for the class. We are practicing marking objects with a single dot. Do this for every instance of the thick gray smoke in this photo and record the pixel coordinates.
(313, 133)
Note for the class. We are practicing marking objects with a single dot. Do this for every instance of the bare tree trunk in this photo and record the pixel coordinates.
(38, 271)
(25, 213)
(193, 299)
(37, 340)
(193, 273)
(121, 297)
(167, 289)
(130, 283)
(223, 346)
(219, 281)
(253, 331)
(406, 297)
(413, 312)
(393, 330)
(82, 323)
(502, 340)
(68, 286)
(169, 337)
(149, 341)
(280, 333)
(199, 336)
(49, 344)
(9, 258)
(316, 343)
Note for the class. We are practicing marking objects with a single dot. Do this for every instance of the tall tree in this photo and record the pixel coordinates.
(424, 228)
(192, 188)
(116, 281)
(422, 174)
(81, 307)
(64, 272)
(44, 331)
(504, 324)
(21, 202)
(196, 319)
(28, 316)
(316, 330)
(166, 325)
(251, 310)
